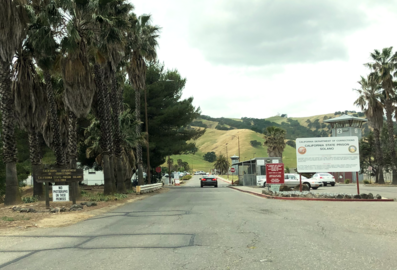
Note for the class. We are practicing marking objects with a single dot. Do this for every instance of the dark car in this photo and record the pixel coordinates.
(209, 180)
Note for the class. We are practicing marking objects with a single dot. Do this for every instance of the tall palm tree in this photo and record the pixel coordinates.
(384, 67)
(43, 34)
(30, 106)
(13, 22)
(142, 44)
(369, 101)
(275, 141)
(222, 164)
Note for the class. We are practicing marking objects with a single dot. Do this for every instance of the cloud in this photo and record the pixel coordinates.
(268, 32)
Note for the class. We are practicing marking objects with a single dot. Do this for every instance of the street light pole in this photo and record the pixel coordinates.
(227, 156)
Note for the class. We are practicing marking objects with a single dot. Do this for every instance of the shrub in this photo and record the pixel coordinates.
(186, 177)
(347, 181)
(31, 199)
(285, 188)
(366, 182)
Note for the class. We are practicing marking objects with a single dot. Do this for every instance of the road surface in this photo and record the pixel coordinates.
(215, 228)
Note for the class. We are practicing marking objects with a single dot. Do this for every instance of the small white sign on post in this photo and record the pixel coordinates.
(328, 154)
(60, 193)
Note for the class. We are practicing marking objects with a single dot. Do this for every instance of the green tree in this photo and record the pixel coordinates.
(210, 156)
(142, 44)
(275, 141)
(370, 104)
(169, 116)
(222, 164)
(384, 66)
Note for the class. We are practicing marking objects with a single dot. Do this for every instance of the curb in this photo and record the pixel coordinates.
(224, 180)
(312, 199)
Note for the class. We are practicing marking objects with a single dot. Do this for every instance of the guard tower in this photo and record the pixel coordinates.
(235, 159)
(345, 126)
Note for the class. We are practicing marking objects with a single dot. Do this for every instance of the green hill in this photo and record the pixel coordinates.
(222, 131)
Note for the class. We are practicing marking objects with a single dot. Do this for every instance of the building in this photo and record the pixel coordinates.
(250, 171)
(345, 126)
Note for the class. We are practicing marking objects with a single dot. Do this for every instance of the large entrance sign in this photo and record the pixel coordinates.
(275, 173)
(327, 154)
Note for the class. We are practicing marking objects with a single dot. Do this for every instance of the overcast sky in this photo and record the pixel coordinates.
(257, 58)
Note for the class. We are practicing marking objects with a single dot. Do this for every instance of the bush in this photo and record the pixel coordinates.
(347, 181)
(366, 182)
(305, 187)
(186, 177)
(31, 199)
(285, 188)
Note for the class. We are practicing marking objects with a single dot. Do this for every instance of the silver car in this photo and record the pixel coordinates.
(325, 178)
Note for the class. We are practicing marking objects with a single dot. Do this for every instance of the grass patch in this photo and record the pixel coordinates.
(231, 177)
(30, 199)
(99, 197)
(10, 219)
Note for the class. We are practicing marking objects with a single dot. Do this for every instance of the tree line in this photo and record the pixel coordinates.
(75, 75)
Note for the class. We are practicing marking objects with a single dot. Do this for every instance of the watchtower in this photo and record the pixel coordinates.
(346, 125)
(235, 159)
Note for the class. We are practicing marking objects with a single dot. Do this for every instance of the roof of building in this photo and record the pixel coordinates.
(345, 118)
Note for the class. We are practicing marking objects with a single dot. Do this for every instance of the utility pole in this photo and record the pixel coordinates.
(238, 148)
(169, 171)
(147, 141)
(227, 156)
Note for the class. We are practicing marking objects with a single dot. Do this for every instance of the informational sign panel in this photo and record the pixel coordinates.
(328, 154)
(60, 193)
(275, 173)
(60, 175)
(176, 176)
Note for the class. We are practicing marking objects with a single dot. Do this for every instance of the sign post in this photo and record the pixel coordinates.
(328, 154)
(176, 179)
(275, 175)
(232, 170)
(158, 170)
(59, 175)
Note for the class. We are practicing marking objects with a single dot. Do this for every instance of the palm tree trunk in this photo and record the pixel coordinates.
(13, 195)
(138, 134)
(105, 130)
(115, 100)
(389, 111)
(379, 157)
(59, 155)
(72, 151)
(35, 160)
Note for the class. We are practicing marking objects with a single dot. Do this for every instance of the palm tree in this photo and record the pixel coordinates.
(30, 107)
(370, 104)
(43, 34)
(142, 44)
(13, 22)
(275, 141)
(384, 67)
(222, 164)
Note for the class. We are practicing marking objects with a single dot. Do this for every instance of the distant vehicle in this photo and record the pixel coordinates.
(166, 175)
(197, 173)
(209, 180)
(325, 178)
(187, 173)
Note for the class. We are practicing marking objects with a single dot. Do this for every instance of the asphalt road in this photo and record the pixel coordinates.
(215, 228)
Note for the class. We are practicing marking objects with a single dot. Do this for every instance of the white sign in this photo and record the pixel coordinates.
(60, 193)
(176, 175)
(328, 154)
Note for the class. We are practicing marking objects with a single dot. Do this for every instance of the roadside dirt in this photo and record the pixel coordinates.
(13, 222)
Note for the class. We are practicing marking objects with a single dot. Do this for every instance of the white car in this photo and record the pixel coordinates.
(292, 180)
(325, 178)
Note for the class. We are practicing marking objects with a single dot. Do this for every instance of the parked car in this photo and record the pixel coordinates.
(325, 178)
(292, 180)
(197, 173)
(209, 180)
(166, 175)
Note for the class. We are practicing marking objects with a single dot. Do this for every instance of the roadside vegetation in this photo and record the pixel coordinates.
(76, 75)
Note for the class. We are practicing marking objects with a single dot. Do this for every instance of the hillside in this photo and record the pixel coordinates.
(222, 131)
